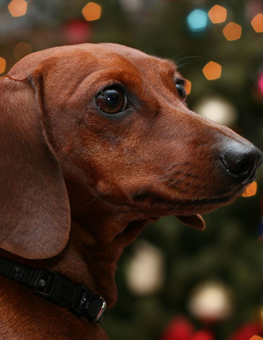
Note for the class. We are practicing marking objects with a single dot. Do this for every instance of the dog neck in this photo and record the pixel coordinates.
(95, 246)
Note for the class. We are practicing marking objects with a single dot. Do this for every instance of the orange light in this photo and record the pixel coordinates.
(91, 11)
(256, 337)
(188, 86)
(2, 65)
(17, 8)
(21, 50)
(257, 23)
(212, 70)
(217, 14)
(251, 190)
(232, 31)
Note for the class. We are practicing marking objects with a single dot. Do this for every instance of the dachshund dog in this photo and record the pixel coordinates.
(96, 141)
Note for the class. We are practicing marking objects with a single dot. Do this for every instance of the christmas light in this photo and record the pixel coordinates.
(217, 109)
(251, 190)
(212, 70)
(210, 301)
(188, 86)
(17, 8)
(217, 14)
(77, 31)
(260, 82)
(91, 11)
(232, 31)
(197, 20)
(257, 23)
(132, 6)
(21, 50)
(145, 270)
(2, 65)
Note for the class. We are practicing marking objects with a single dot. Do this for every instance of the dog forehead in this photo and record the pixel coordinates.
(140, 59)
(106, 55)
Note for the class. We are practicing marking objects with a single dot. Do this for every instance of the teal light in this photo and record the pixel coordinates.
(197, 20)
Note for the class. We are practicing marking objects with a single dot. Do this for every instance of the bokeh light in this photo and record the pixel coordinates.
(17, 8)
(77, 32)
(197, 20)
(211, 301)
(188, 86)
(212, 70)
(91, 11)
(257, 23)
(232, 31)
(217, 14)
(251, 190)
(2, 65)
(260, 82)
(145, 270)
(218, 109)
(255, 337)
(21, 50)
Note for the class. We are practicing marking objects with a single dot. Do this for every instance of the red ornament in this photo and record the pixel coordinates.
(178, 329)
(202, 335)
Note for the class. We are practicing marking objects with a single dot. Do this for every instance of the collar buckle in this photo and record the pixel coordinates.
(62, 291)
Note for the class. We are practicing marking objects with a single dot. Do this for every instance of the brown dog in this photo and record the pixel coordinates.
(96, 140)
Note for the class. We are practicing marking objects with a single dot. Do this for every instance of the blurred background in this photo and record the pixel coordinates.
(175, 283)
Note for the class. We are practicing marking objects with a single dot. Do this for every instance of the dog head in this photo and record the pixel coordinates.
(110, 124)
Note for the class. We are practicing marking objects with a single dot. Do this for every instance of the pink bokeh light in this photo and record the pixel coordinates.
(260, 82)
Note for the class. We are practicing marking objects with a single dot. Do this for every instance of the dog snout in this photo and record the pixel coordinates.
(241, 161)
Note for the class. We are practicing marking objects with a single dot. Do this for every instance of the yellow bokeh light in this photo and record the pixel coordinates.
(21, 50)
(188, 86)
(251, 190)
(2, 65)
(257, 23)
(232, 31)
(17, 8)
(91, 11)
(212, 70)
(217, 14)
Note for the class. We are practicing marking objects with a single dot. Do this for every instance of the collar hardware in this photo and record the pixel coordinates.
(56, 288)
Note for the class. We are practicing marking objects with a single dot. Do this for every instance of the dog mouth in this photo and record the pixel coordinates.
(187, 210)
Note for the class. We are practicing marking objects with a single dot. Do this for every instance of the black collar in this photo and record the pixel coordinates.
(55, 288)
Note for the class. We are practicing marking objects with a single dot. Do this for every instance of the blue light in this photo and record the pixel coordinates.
(197, 20)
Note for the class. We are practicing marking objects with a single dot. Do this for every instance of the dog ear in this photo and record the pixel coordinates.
(194, 221)
(34, 205)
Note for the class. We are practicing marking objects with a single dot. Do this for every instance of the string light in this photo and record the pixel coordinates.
(21, 50)
(232, 31)
(197, 20)
(212, 70)
(92, 11)
(217, 14)
(17, 8)
(2, 65)
(257, 23)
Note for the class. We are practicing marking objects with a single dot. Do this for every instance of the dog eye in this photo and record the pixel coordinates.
(181, 89)
(111, 101)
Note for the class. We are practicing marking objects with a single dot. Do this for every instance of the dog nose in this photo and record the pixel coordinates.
(241, 161)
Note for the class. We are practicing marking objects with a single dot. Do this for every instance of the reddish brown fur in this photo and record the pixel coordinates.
(77, 187)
